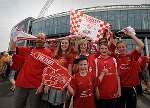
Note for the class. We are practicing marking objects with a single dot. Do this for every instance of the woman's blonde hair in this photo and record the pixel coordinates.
(119, 42)
(81, 42)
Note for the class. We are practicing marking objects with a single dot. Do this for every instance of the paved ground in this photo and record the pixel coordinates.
(6, 97)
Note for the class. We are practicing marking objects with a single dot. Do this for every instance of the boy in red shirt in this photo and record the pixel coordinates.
(30, 77)
(109, 81)
(82, 86)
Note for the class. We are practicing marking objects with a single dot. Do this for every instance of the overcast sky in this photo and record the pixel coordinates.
(14, 11)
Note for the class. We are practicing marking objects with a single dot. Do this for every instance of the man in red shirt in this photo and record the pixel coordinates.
(30, 77)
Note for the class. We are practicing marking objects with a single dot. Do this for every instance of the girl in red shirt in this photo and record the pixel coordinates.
(108, 79)
(53, 97)
(128, 70)
(82, 86)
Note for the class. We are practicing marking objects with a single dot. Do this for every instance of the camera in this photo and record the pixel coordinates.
(119, 34)
(122, 32)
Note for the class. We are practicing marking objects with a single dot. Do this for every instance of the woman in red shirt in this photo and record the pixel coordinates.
(82, 86)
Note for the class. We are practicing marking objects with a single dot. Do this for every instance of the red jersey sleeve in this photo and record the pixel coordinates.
(73, 83)
(23, 51)
(135, 55)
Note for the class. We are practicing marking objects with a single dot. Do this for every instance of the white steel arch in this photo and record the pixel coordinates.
(45, 7)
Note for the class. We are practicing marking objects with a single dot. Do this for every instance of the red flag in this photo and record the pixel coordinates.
(56, 77)
(87, 25)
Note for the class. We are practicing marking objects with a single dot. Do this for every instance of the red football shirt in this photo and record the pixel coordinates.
(128, 69)
(19, 58)
(109, 85)
(84, 90)
(18, 62)
(30, 75)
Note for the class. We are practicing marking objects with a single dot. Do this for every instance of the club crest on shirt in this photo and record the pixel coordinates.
(129, 58)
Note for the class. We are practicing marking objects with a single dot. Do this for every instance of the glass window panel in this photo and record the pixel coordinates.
(138, 21)
(52, 27)
(63, 20)
(47, 27)
(97, 15)
(123, 18)
(67, 28)
(148, 11)
(149, 48)
(111, 15)
(33, 30)
(40, 27)
(62, 24)
(131, 20)
(68, 19)
(131, 11)
(145, 22)
(59, 24)
(37, 26)
(103, 15)
(149, 21)
(43, 26)
(90, 13)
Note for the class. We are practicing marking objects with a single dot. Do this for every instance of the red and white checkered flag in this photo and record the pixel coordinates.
(75, 18)
(87, 25)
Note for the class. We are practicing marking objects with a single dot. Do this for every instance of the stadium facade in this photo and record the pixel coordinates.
(120, 16)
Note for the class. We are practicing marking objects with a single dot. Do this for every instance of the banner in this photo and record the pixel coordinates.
(54, 75)
(24, 36)
(87, 25)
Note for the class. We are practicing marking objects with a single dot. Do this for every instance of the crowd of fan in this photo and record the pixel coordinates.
(105, 74)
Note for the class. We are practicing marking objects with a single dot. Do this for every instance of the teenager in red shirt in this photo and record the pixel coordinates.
(128, 70)
(82, 86)
(109, 81)
(30, 77)
(52, 97)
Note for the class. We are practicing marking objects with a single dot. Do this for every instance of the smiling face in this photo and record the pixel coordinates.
(83, 66)
(122, 48)
(64, 44)
(104, 50)
(40, 40)
(83, 46)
